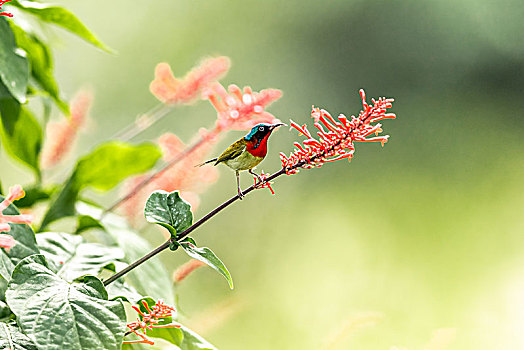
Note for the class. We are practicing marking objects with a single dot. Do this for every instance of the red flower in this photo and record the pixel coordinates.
(149, 320)
(15, 192)
(262, 183)
(241, 109)
(336, 138)
(5, 13)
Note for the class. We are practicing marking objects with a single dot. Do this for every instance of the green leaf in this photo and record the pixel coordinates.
(25, 244)
(14, 67)
(112, 162)
(151, 277)
(12, 338)
(193, 341)
(103, 169)
(21, 133)
(86, 222)
(33, 195)
(70, 257)
(63, 18)
(168, 210)
(56, 314)
(207, 256)
(40, 62)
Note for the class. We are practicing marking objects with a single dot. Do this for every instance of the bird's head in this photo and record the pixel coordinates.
(261, 131)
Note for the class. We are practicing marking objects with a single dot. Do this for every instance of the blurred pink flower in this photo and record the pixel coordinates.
(337, 141)
(60, 136)
(183, 176)
(6, 241)
(15, 192)
(170, 90)
(185, 269)
(241, 109)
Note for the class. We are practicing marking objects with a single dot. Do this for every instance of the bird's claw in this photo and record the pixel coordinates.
(240, 195)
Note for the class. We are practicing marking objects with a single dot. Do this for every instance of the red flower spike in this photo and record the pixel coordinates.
(263, 183)
(336, 138)
(15, 192)
(149, 320)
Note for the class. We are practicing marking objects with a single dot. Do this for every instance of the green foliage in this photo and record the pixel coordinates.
(207, 256)
(25, 245)
(12, 338)
(21, 133)
(33, 195)
(51, 311)
(150, 278)
(70, 257)
(14, 67)
(172, 212)
(103, 169)
(40, 63)
(168, 210)
(60, 17)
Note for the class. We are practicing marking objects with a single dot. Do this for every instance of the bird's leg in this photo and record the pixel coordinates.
(258, 176)
(240, 194)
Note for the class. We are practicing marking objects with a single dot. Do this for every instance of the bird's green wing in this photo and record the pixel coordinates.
(232, 151)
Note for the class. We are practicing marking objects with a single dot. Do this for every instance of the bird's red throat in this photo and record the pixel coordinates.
(259, 151)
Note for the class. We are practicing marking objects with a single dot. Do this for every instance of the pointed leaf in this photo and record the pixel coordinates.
(21, 133)
(40, 62)
(63, 18)
(56, 314)
(168, 210)
(11, 337)
(33, 195)
(14, 67)
(193, 341)
(103, 169)
(70, 257)
(207, 256)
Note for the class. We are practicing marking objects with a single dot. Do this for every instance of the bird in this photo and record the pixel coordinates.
(246, 153)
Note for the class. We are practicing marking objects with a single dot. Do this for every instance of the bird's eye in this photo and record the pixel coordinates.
(261, 128)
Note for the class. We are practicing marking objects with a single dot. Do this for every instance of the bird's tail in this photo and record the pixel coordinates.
(206, 162)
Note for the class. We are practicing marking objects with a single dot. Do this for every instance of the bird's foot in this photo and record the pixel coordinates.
(240, 194)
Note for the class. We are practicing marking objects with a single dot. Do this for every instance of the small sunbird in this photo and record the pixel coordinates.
(246, 153)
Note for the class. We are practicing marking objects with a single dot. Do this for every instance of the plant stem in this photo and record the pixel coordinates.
(147, 180)
(143, 122)
(190, 229)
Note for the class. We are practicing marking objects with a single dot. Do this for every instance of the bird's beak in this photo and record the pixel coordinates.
(276, 125)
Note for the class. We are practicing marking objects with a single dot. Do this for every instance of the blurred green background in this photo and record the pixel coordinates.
(427, 231)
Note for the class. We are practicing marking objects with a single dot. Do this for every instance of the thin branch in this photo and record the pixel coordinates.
(190, 229)
(143, 122)
(147, 180)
